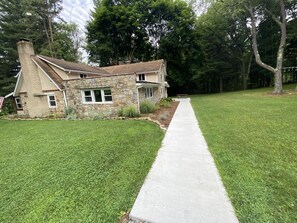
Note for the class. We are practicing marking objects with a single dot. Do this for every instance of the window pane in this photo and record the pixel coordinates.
(108, 98)
(88, 99)
(18, 103)
(141, 77)
(52, 101)
(87, 93)
(97, 94)
(107, 92)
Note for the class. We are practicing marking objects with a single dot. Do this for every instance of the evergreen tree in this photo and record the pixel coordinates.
(33, 20)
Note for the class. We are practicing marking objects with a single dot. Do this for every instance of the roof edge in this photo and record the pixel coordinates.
(46, 74)
(107, 75)
(17, 83)
(40, 57)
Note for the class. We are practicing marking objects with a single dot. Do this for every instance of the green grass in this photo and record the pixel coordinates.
(253, 138)
(73, 171)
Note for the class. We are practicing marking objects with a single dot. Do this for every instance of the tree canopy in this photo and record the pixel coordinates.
(210, 51)
(132, 31)
(209, 45)
(36, 20)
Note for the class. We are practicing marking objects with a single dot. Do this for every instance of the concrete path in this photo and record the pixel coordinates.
(183, 184)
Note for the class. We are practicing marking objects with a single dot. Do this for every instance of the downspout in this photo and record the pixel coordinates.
(65, 99)
(138, 100)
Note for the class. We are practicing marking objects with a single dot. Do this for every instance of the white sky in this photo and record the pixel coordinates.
(78, 11)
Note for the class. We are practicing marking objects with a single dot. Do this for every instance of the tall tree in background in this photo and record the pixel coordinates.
(224, 37)
(37, 21)
(277, 9)
(47, 11)
(116, 33)
(15, 23)
(142, 30)
(66, 44)
(171, 25)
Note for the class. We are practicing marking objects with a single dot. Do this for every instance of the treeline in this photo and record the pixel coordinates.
(38, 21)
(208, 53)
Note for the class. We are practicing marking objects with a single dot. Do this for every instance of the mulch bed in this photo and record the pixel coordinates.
(164, 114)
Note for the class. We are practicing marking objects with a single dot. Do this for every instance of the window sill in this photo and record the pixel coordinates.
(97, 103)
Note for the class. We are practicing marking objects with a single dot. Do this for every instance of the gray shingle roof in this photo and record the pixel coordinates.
(49, 71)
(143, 67)
(71, 66)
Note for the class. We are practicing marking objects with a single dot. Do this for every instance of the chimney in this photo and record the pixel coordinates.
(31, 80)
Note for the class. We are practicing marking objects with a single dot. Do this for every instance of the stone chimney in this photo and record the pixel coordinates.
(31, 80)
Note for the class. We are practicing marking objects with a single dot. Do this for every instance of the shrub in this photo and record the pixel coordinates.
(167, 99)
(128, 111)
(121, 112)
(69, 110)
(165, 102)
(96, 116)
(72, 116)
(147, 107)
(8, 107)
(70, 113)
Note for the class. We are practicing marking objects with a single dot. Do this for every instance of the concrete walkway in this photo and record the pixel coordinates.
(183, 184)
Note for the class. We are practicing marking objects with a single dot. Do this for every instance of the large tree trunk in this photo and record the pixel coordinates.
(278, 85)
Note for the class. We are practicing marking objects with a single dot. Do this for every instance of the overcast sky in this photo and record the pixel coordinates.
(77, 11)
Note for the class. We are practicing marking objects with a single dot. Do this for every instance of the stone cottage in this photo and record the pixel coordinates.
(47, 85)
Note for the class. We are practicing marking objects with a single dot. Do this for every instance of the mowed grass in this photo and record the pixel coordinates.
(253, 138)
(73, 171)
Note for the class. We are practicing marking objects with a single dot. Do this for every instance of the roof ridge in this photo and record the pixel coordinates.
(72, 66)
(129, 64)
(143, 67)
(54, 76)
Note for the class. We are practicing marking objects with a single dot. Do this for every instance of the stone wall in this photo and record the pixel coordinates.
(123, 90)
(156, 95)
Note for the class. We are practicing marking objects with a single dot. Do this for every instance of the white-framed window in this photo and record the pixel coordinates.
(83, 76)
(93, 96)
(149, 92)
(51, 98)
(18, 103)
(141, 77)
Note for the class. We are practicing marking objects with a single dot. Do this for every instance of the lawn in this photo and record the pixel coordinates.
(253, 138)
(73, 171)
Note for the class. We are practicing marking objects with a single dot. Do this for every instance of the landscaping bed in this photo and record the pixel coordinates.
(164, 115)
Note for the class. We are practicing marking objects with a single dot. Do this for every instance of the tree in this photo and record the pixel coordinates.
(224, 37)
(67, 42)
(171, 26)
(143, 30)
(280, 17)
(123, 39)
(15, 23)
(33, 20)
